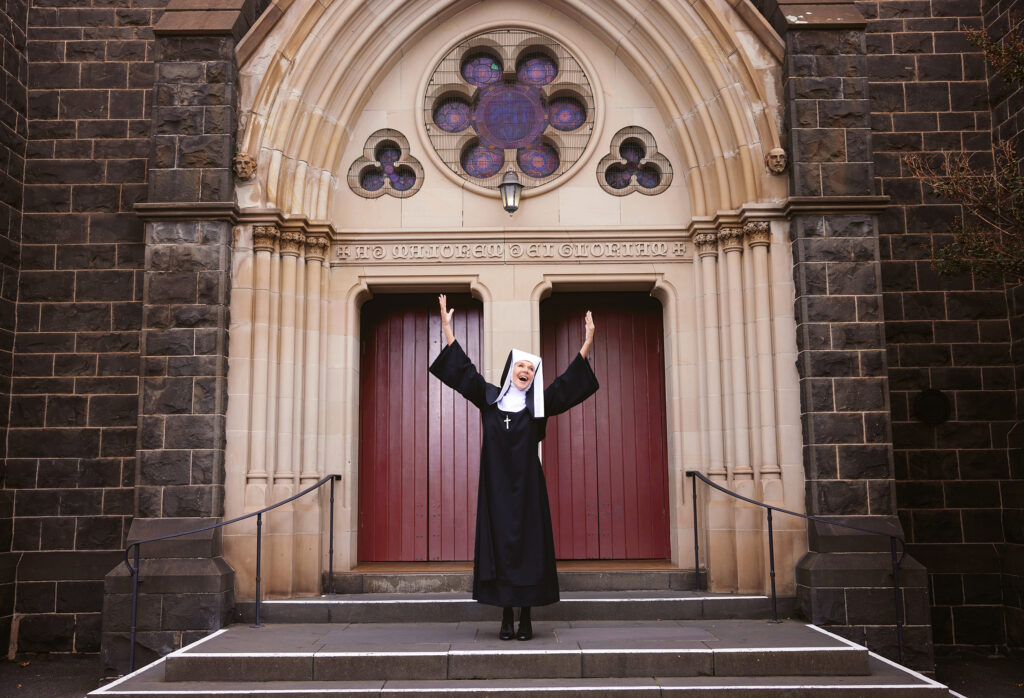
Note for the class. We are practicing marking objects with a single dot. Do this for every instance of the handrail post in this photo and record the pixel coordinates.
(896, 591)
(135, 606)
(136, 573)
(330, 553)
(896, 557)
(259, 542)
(696, 537)
(771, 566)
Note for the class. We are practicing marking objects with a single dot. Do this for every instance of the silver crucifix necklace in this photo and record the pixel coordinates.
(507, 420)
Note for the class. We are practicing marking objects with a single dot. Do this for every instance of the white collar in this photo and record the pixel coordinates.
(512, 400)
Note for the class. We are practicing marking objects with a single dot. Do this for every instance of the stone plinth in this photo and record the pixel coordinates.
(186, 590)
(845, 583)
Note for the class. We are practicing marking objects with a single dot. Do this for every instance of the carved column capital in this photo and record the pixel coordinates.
(264, 238)
(292, 243)
(757, 233)
(706, 244)
(316, 248)
(732, 239)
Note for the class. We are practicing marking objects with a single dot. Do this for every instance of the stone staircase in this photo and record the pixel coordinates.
(622, 633)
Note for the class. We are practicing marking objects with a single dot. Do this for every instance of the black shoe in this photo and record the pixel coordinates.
(508, 627)
(507, 631)
(525, 630)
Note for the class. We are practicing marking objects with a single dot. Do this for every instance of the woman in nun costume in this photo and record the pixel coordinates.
(514, 558)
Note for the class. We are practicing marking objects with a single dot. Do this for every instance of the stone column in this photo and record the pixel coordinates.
(306, 538)
(721, 544)
(183, 393)
(844, 582)
(758, 236)
(747, 517)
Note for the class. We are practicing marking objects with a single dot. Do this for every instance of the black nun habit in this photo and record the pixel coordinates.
(514, 557)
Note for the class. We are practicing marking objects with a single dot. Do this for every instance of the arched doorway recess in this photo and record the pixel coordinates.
(700, 78)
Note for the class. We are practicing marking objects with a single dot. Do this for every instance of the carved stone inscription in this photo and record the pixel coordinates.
(505, 251)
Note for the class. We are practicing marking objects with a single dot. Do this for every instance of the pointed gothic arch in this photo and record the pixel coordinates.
(309, 69)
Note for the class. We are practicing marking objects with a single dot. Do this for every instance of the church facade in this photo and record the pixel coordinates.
(226, 228)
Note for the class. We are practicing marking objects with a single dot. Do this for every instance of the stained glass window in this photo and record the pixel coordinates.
(634, 164)
(509, 98)
(386, 167)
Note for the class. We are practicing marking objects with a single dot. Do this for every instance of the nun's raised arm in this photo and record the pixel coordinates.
(575, 385)
(446, 319)
(588, 326)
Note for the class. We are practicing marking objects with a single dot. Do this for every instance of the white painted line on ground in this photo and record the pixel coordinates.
(896, 665)
(646, 650)
(908, 670)
(840, 638)
(381, 654)
(241, 692)
(486, 690)
(469, 600)
(804, 687)
(501, 651)
(182, 650)
(322, 691)
(261, 655)
(106, 689)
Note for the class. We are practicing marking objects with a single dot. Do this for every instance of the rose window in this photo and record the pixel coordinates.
(509, 98)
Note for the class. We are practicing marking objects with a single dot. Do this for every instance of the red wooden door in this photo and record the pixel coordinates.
(605, 461)
(419, 441)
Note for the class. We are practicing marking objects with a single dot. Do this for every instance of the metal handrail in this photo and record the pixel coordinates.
(134, 571)
(896, 560)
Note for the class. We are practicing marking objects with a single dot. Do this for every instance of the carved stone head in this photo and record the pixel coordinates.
(776, 160)
(245, 166)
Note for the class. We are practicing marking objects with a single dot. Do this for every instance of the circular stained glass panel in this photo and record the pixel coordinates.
(510, 116)
(566, 114)
(544, 110)
(388, 153)
(452, 116)
(481, 70)
(371, 179)
(536, 71)
(482, 162)
(632, 152)
(403, 179)
(648, 177)
(618, 177)
(538, 161)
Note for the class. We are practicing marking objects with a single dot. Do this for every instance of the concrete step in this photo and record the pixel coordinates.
(568, 580)
(440, 651)
(654, 687)
(665, 658)
(460, 607)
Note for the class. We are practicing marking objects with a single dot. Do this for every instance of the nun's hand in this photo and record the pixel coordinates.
(588, 324)
(446, 315)
(446, 318)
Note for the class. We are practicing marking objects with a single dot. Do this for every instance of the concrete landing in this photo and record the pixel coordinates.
(567, 658)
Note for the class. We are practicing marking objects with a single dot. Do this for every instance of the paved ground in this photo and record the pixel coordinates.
(49, 676)
(982, 677)
(63, 676)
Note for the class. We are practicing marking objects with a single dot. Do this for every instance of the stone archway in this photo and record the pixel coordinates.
(311, 101)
